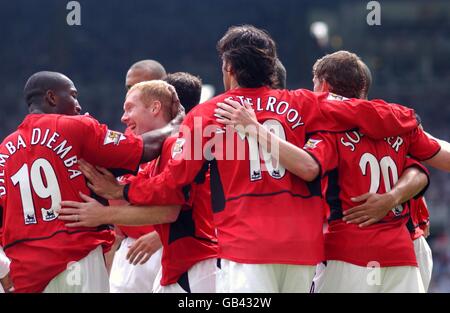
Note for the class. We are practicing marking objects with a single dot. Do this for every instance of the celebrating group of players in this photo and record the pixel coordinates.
(232, 200)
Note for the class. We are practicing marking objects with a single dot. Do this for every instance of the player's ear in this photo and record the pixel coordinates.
(226, 66)
(50, 97)
(325, 86)
(229, 69)
(156, 106)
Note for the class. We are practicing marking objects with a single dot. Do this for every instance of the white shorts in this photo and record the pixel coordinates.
(338, 276)
(201, 278)
(129, 278)
(264, 278)
(424, 260)
(4, 263)
(4, 266)
(87, 275)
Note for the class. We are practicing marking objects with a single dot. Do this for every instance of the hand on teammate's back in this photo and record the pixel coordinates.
(231, 112)
(90, 213)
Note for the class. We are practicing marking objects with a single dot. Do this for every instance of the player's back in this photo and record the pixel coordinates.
(39, 167)
(263, 213)
(355, 165)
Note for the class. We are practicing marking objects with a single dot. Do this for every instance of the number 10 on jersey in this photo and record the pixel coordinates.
(272, 165)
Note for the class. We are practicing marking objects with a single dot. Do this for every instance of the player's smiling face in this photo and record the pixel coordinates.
(137, 115)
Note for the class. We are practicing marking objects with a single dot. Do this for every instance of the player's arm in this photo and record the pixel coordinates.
(91, 213)
(430, 150)
(413, 181)
(441, 160)
(291, 157)
(376, 118)
(422, 147)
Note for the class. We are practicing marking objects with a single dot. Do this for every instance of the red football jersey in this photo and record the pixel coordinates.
(355, 165)
(191, 238)
(263, 213)
(419, 219)
(38, 169)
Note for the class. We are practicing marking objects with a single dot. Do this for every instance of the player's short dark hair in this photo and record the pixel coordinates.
(251, 53)
(341, 70)
(39, 83)
(279, 81)
(154, 68)
(188, 87)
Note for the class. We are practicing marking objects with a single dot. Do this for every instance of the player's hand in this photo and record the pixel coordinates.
(90, 213)
(101, 181)
(373, 209)
(231, 112)
(143, 248)
(7, 284)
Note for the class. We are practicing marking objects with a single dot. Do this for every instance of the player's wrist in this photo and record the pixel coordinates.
(118, 193)
(394, 199)
(262, 132)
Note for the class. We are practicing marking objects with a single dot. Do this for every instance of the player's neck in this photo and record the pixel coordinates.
(234, 84)
(36, 109)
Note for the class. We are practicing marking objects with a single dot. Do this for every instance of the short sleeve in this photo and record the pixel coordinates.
(110, 149)
(411, 162)
(376, 118)
(321, 146)
(421, 146)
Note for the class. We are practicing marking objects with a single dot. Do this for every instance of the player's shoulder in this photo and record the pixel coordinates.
(81, 119)
(304, 97)
(71, 123)
(301, 92)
